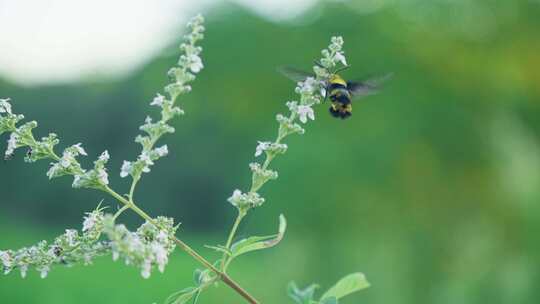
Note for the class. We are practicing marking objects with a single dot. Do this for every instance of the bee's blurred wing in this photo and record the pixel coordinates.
(368, 87)
(294, 74)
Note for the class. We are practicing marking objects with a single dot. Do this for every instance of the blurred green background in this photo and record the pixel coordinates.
(431, 188)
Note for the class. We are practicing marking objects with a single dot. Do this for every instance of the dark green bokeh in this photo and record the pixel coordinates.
(431, 188)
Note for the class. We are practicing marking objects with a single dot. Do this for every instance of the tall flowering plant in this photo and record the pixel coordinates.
(149, 246)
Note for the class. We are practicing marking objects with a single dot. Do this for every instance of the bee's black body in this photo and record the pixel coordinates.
(340, 96)
(340, 92)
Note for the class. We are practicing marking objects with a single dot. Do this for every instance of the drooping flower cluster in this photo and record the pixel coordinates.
(149, 246)
(67, 249)
(189, 64)
(67, 164)
(311, 91)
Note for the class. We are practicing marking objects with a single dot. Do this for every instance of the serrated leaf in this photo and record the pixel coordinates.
(347, 285)
(259, 242)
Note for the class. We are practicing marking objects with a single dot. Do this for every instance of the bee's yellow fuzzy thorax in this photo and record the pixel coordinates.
(335, 78)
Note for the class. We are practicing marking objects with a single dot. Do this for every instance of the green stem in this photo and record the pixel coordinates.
(132, 189)
(239, 217)
(120, 211)
(185, 247)
(225, 261)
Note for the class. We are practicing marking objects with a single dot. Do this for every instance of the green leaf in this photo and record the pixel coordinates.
(196, 298)
(219, 248)
(302, 296)
(347, 285)
(331, 300)
(259, 242)
(201, 276)
(197, 276)
(182, 296)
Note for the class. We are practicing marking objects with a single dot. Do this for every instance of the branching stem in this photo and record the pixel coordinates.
(185, 247)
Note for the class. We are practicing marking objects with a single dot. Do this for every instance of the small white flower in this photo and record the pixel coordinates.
(308, 86)
(292, 105)
(5, 258)
(237, 198)
(310, 82)
(103, 177)
(65, 161)
(71, 236)
(147, 160)
(77, 181)
(148, 120)
(337, 40)
(126, 169)
(160, 255)
(255, 166)
(87, 259)
(162, 236)
(158, 100)
(195, 64)
(104, 157)
(305, 112)
(340, 57)
(53, 171)
(162, 151)
(135, 243)
(146, 269)
(261, 147)
(89, 222)
(237, 194)
(5, 106)
(23, 269)
(115, 255)
(13, 141)
(80, 149)
(44, 271)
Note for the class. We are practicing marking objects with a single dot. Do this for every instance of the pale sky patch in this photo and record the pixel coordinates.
(58, 41)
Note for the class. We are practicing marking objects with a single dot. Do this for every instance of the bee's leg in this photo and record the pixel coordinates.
(318, 63)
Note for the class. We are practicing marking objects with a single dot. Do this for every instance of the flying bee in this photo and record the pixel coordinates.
(341, 92)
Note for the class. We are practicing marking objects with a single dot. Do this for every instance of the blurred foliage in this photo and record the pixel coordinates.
(431, 188)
